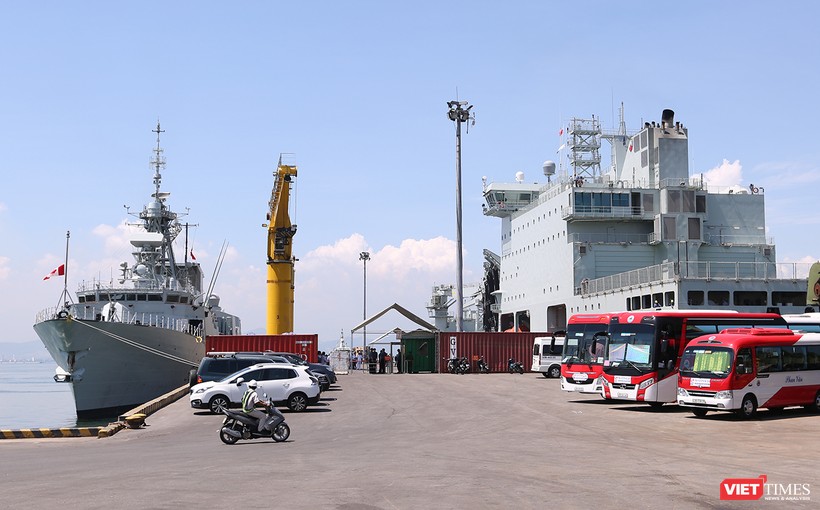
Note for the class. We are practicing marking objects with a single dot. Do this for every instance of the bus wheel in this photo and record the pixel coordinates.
(748, 407)
(700, 413)
(815, 407)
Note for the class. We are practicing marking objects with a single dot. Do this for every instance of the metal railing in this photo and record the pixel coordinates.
(669, 271)
(724, 240)
(608, 237)
(180, 324)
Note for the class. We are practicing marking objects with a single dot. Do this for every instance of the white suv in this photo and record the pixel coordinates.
(283, 383)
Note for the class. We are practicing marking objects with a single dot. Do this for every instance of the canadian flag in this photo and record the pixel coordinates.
(60, 271)
(192, 255)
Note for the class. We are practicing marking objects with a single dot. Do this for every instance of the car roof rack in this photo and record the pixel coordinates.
(226, 354)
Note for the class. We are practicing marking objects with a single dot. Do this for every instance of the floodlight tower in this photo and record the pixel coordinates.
(364, 257)
(459, 114)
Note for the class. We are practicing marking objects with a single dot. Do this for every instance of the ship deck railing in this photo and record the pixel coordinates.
(96, 285)
(652, 238)
(154, 320)
(674, 271)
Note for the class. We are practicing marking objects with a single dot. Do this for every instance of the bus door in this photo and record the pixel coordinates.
(668, 345)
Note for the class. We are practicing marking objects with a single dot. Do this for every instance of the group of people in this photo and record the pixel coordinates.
(377, 362)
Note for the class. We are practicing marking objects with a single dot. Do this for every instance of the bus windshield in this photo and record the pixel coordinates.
(631, 344)
(578, 346)
(709, 362)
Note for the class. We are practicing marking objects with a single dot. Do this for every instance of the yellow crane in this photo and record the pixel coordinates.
(280, 257)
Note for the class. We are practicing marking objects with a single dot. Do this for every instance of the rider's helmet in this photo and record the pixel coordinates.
(252, 384)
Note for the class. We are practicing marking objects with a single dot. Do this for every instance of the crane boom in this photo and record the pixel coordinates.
(280, 257)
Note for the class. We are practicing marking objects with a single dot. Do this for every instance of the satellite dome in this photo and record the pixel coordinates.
(519, 176)
(549, 167)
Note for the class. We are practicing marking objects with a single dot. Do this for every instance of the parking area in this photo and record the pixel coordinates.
(427, 440)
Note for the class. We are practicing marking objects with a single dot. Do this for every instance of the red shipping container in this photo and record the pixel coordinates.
(497, 348)
(305, 345)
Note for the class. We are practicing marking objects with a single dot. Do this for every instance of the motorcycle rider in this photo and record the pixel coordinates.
(250, 402)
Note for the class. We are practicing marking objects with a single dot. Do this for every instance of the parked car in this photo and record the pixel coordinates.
(284, 383)
(216, 366)
(316, 368)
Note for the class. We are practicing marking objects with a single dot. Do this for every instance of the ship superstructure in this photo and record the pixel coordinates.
(127, 341)
(644, 234)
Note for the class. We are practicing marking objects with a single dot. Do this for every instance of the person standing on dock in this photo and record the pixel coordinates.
(372, 360)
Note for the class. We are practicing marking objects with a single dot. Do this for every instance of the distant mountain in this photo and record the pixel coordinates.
(23, 351)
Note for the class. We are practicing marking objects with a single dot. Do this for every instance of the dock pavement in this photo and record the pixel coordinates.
(407, 441)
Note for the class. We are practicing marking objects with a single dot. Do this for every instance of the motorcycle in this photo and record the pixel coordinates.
(483, 367)
(515, 366)
(463, 366)
(238, 425)
(452, 365)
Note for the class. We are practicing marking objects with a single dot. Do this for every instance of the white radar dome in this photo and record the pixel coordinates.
(549, 167)
(519, 176)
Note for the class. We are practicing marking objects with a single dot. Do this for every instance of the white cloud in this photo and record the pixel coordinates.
(4, 267)
(727, 175)
(115, 238)
(330, 284)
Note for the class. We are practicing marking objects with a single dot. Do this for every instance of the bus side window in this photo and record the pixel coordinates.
(794, 358)
(768, 359)
(813, 357)
(744, 361)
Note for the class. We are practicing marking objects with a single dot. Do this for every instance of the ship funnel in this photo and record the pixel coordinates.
(668, 118)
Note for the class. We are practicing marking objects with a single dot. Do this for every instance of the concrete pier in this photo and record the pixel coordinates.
(426, 441)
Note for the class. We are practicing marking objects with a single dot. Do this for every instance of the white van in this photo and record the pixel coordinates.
(546, 354)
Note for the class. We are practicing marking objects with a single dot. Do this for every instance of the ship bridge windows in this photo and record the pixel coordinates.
(718, 298)
(154, 297)
(789, 298)
(750, 298)
(599, 202)
(172, 298)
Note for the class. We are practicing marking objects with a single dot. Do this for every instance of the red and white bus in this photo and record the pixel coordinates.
(581, 362)
(741, 370)
(643, 348)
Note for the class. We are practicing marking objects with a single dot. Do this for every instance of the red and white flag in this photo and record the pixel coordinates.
(60, 271)
(192, 255)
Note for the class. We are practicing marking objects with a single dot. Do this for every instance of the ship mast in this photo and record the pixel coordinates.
(158, 218)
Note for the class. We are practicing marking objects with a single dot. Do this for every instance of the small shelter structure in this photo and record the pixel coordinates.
(418, 347)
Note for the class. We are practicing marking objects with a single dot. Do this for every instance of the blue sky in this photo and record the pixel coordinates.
(357, 91)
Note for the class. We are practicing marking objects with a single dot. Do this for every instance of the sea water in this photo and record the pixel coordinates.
(29, 398)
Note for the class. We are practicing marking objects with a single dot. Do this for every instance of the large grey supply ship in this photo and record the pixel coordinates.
(643, 235)
(126, 342)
